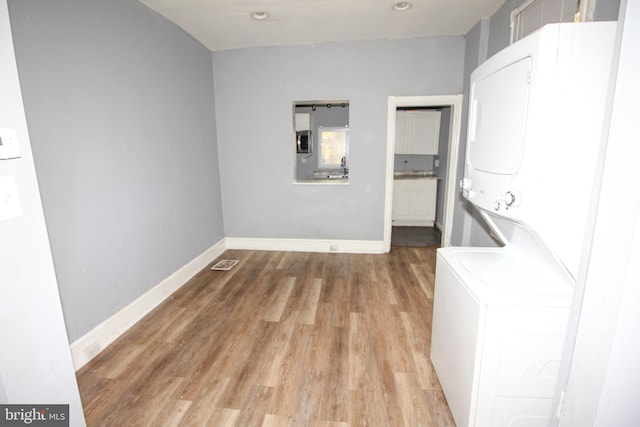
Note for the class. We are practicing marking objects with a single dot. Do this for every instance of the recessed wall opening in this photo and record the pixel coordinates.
(321, 141)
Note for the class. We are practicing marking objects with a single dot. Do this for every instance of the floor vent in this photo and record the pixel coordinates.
(225, 264)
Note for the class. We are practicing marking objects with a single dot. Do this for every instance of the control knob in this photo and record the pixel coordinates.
(512, 198)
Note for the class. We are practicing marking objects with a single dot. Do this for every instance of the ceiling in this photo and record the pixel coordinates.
(227, 24)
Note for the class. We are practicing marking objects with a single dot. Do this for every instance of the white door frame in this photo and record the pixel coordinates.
(453, 101)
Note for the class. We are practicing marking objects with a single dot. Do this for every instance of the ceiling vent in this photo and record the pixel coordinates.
(533, 14)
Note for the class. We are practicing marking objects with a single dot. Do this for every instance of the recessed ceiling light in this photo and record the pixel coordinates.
(260, 16)
(402, 6)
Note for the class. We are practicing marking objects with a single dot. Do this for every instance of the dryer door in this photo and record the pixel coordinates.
(498, 119)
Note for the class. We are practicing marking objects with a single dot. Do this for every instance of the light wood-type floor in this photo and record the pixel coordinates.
(283, 339)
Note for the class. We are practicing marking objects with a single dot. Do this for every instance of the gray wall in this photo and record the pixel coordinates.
(500, 27)
(254, 91)
(606, 10)
(35, 362)
(443, 157)
(120, 109)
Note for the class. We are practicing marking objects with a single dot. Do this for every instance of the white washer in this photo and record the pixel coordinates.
(499, 322)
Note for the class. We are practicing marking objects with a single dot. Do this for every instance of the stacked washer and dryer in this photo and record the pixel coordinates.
(500, 314)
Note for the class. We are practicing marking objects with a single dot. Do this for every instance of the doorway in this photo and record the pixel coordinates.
(454, 102)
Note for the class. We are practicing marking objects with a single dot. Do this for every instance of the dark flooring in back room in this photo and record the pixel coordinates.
(415, 236)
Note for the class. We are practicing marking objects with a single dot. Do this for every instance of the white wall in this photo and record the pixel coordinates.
(120, 108)
(255, 89)
(35, 362)
(603, 379)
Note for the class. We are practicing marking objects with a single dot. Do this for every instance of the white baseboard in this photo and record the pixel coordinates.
(89, 345)
(412, 223)
(308, 245)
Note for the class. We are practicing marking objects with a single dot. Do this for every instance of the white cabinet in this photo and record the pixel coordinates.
(417, 132)
(414, 202)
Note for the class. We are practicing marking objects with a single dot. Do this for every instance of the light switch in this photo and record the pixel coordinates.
(9, 200)
(9, 144)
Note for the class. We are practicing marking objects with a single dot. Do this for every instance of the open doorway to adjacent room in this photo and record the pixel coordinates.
(422, 151)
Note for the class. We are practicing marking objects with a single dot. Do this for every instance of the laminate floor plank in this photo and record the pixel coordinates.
(282, 339)
(202, 406)
(172, 414)
(292, 372)
(271, 420)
